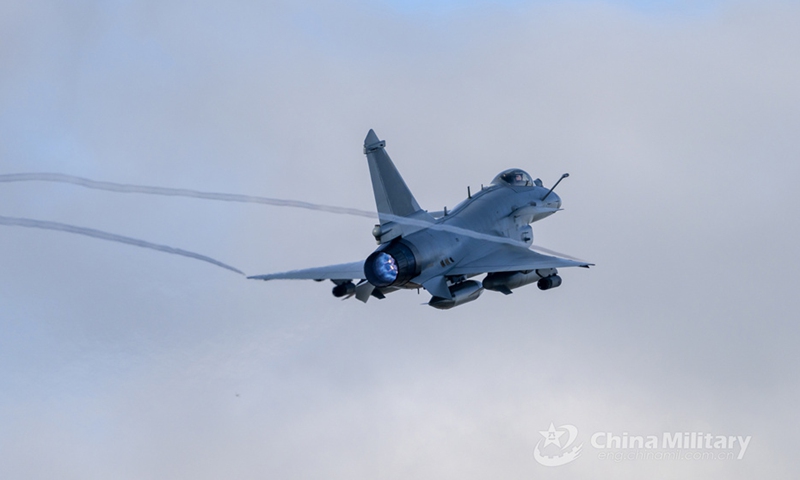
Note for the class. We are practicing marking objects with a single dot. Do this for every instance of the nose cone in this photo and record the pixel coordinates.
(553, 200)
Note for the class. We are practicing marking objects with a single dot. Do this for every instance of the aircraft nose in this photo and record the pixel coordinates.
(554, 200)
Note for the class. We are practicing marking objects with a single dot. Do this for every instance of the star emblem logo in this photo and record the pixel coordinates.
(551, 436)
(564, 450)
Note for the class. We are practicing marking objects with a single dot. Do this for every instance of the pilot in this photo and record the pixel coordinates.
(513, 177)
(519, 179)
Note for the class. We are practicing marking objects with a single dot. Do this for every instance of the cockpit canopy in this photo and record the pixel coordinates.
(513, 177)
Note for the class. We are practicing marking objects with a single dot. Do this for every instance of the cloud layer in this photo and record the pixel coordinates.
(677, 128)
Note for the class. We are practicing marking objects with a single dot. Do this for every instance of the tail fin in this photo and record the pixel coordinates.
(392, 196)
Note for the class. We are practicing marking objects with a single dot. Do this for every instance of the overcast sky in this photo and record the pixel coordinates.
(677, 122)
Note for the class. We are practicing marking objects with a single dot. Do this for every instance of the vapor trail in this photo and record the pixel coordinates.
(477, 235)
(178, 192)
(231, 197)
(453, 229)
(90, 232)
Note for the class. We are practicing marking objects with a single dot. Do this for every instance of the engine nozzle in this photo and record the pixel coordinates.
(392, 265)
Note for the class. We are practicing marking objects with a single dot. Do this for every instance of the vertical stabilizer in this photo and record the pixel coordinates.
(392, 196)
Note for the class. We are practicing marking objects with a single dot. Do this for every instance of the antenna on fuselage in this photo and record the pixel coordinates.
(554, 186)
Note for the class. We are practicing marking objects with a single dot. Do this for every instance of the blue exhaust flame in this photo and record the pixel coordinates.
(385, 268)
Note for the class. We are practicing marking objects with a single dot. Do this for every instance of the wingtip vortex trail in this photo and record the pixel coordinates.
(112, 237)
(230, 197)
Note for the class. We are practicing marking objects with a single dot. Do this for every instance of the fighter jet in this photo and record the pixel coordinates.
(488, 233)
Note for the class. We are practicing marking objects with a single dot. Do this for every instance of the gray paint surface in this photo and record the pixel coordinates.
(486, 233)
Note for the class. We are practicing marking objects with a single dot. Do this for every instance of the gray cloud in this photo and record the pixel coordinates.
(678, 132)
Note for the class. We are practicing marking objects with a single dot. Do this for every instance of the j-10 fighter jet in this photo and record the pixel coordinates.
(488, 233)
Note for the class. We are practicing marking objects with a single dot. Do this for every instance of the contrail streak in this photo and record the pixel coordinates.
(231, 197)
(476, 235)
(452, 229)
(90, 232)
(178, 192)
